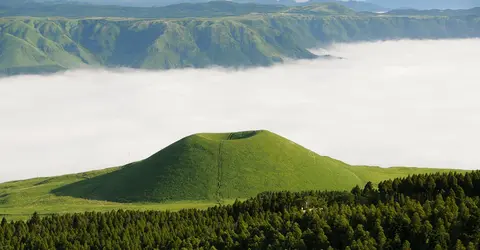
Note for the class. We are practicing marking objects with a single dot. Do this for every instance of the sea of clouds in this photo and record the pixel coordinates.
(394, 103)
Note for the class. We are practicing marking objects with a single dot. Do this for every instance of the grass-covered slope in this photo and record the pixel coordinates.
(32, 45)
(217, 167)
(40, 48)
(324, 9)
(197, 171)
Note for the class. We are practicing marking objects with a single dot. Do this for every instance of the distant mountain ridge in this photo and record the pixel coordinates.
(238, 35)
(427, 4)
(207, 9)
(355, 5)
(367, 5)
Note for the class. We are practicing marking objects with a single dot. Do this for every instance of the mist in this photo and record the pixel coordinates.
(394, 103)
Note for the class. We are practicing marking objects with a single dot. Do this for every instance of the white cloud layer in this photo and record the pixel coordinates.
(393, 103)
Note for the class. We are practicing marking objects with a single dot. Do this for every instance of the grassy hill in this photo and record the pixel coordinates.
(197, 171)
(217, 167)
(35, 45)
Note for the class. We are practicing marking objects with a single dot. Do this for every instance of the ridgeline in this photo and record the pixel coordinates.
(202, 35)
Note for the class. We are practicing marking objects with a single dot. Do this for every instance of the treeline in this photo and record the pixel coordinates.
(431, 211)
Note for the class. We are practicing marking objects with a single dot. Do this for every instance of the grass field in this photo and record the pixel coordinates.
(377, 174)
(20, 199)
(197, 171)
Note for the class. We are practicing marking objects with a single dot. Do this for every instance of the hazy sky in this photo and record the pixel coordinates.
(412, 103)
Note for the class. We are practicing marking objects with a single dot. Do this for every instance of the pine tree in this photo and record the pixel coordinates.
(471, 246)
(460, 246)
(406, 245)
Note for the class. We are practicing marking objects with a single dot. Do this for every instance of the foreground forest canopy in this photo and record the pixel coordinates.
(430, 211)
(202, 35)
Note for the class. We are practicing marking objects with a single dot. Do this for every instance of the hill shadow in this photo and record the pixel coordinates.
(181, 171)
(93, 188)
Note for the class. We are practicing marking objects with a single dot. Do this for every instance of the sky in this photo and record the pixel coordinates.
(394, 103)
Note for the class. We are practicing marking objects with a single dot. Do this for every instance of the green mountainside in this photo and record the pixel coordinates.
(197, 171)
(41, 44)
(216, 167)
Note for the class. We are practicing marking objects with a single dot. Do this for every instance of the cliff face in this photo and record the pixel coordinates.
(36, 45)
